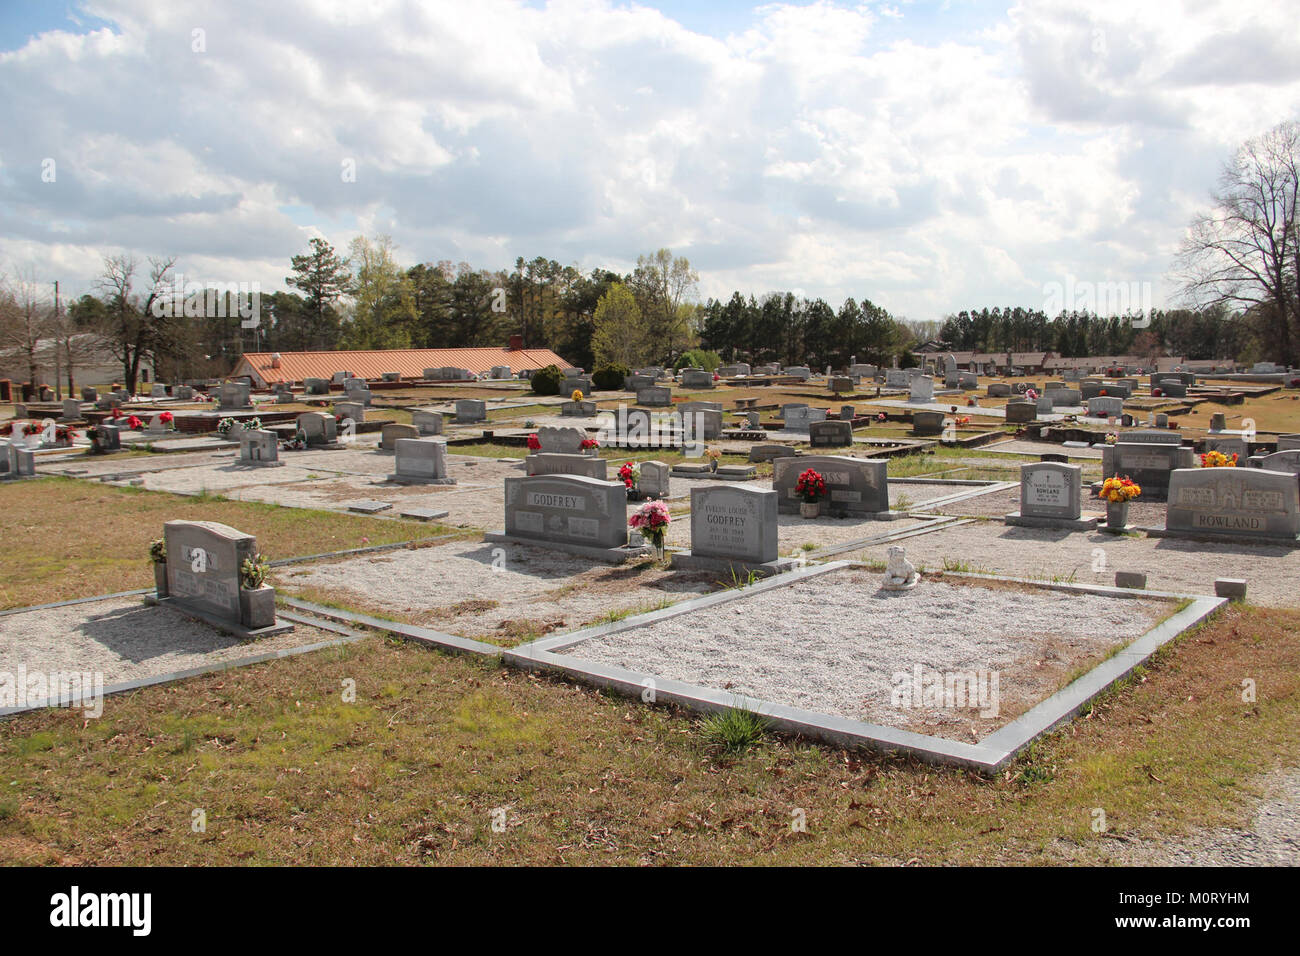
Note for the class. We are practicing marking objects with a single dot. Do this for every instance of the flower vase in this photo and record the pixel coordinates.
(657, 542)
(810, 509)
(1116, 515)
(160, 578)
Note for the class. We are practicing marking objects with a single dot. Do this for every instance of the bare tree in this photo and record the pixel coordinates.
(1245, 252)
(132, 332)
(26, 320)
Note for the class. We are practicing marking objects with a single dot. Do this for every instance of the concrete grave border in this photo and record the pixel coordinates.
(987, 756)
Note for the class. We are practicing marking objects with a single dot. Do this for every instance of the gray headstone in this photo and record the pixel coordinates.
(655, 481)
(1242, 502)
(1050, 490)
(470, 410)
(258, 445)
(558, 463)
(1229, 445)
(353, 410)
(316, 386)
(1287, 441)
(655, 396)
(696, 378)
(734, 523)
(391, 432)
(89, 394)
(421, 460)
(1021, 412)
(1150, 465)
(234, 395)
(427, 422)
(318, 427)
(105, 438)
(1105, 407)
(927, 423)
(203, 561)
(830, 434)
(855, 486)
(568, 509)
(565, 441)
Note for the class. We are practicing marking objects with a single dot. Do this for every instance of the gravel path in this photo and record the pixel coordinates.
(125, 639)
(835, 642)
(1171, 564)
(1271, 839)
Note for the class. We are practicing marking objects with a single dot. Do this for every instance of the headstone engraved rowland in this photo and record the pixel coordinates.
(427, 422)
(420, 461)
(856, 487)
(1239, 503)
(570, 513)
(1050, 496)
(203, 565)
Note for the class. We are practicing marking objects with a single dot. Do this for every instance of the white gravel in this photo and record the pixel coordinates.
(834, 642)
(124, 639)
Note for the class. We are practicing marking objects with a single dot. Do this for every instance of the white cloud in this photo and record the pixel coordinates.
(928, 174)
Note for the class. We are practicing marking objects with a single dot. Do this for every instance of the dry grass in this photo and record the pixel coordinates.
(66, 538)
(438, 747)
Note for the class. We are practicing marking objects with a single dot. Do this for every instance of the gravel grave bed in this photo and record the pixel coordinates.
(503, 593)
(126, 639)
(833, 644)
(1171, 564)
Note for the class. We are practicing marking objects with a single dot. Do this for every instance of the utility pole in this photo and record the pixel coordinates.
(54, 334)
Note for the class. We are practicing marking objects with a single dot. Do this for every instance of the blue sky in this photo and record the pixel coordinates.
(927, 156)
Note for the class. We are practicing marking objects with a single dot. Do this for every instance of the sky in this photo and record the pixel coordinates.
(929, 157)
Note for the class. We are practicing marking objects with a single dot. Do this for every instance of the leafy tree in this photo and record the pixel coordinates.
(661, 285)
(621, 334)
(383, 300)
(323, 278)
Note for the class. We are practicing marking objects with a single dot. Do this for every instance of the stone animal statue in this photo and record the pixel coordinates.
(900, 574)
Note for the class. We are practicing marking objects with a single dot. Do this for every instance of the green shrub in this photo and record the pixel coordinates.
(547, 380)
(698, 358)
(609, 378)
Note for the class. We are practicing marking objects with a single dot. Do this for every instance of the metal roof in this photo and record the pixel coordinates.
(408, 363)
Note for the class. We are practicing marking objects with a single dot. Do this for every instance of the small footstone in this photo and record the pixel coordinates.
(1130, 579)
(737, 472)
(368, 507)
(1234, 589)
(423, 514)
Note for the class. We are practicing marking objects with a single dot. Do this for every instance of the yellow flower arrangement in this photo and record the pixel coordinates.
(1217, 459)
(577, 395)
(1120, 490)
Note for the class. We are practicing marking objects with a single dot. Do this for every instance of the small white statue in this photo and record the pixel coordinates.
(900, 574)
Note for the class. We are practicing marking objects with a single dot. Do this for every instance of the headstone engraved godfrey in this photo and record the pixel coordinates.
(570, 513)
(856, 487)
(733, 529)
(203, 562)
(420, 461)
(1050, 496)
(1239, 503)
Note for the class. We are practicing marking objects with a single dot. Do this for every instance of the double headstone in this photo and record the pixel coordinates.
(566, 509)
(1246, 503)
(204, 559)
(857, 487)
(1021, 412)
(1148, 464)
(655, 396)
(830, 434)
(696, 378)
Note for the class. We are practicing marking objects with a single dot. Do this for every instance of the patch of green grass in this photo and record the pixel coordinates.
(734, 730)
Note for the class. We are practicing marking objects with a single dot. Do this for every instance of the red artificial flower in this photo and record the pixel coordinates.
(134, 423)
(534, 443)
(166, 418)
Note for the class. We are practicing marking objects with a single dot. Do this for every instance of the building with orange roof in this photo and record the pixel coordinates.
(265, 369)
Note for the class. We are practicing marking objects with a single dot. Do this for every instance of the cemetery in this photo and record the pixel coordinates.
(482, 524)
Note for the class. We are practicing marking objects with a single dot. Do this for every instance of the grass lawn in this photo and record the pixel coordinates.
(437, 747)
(67, 538)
